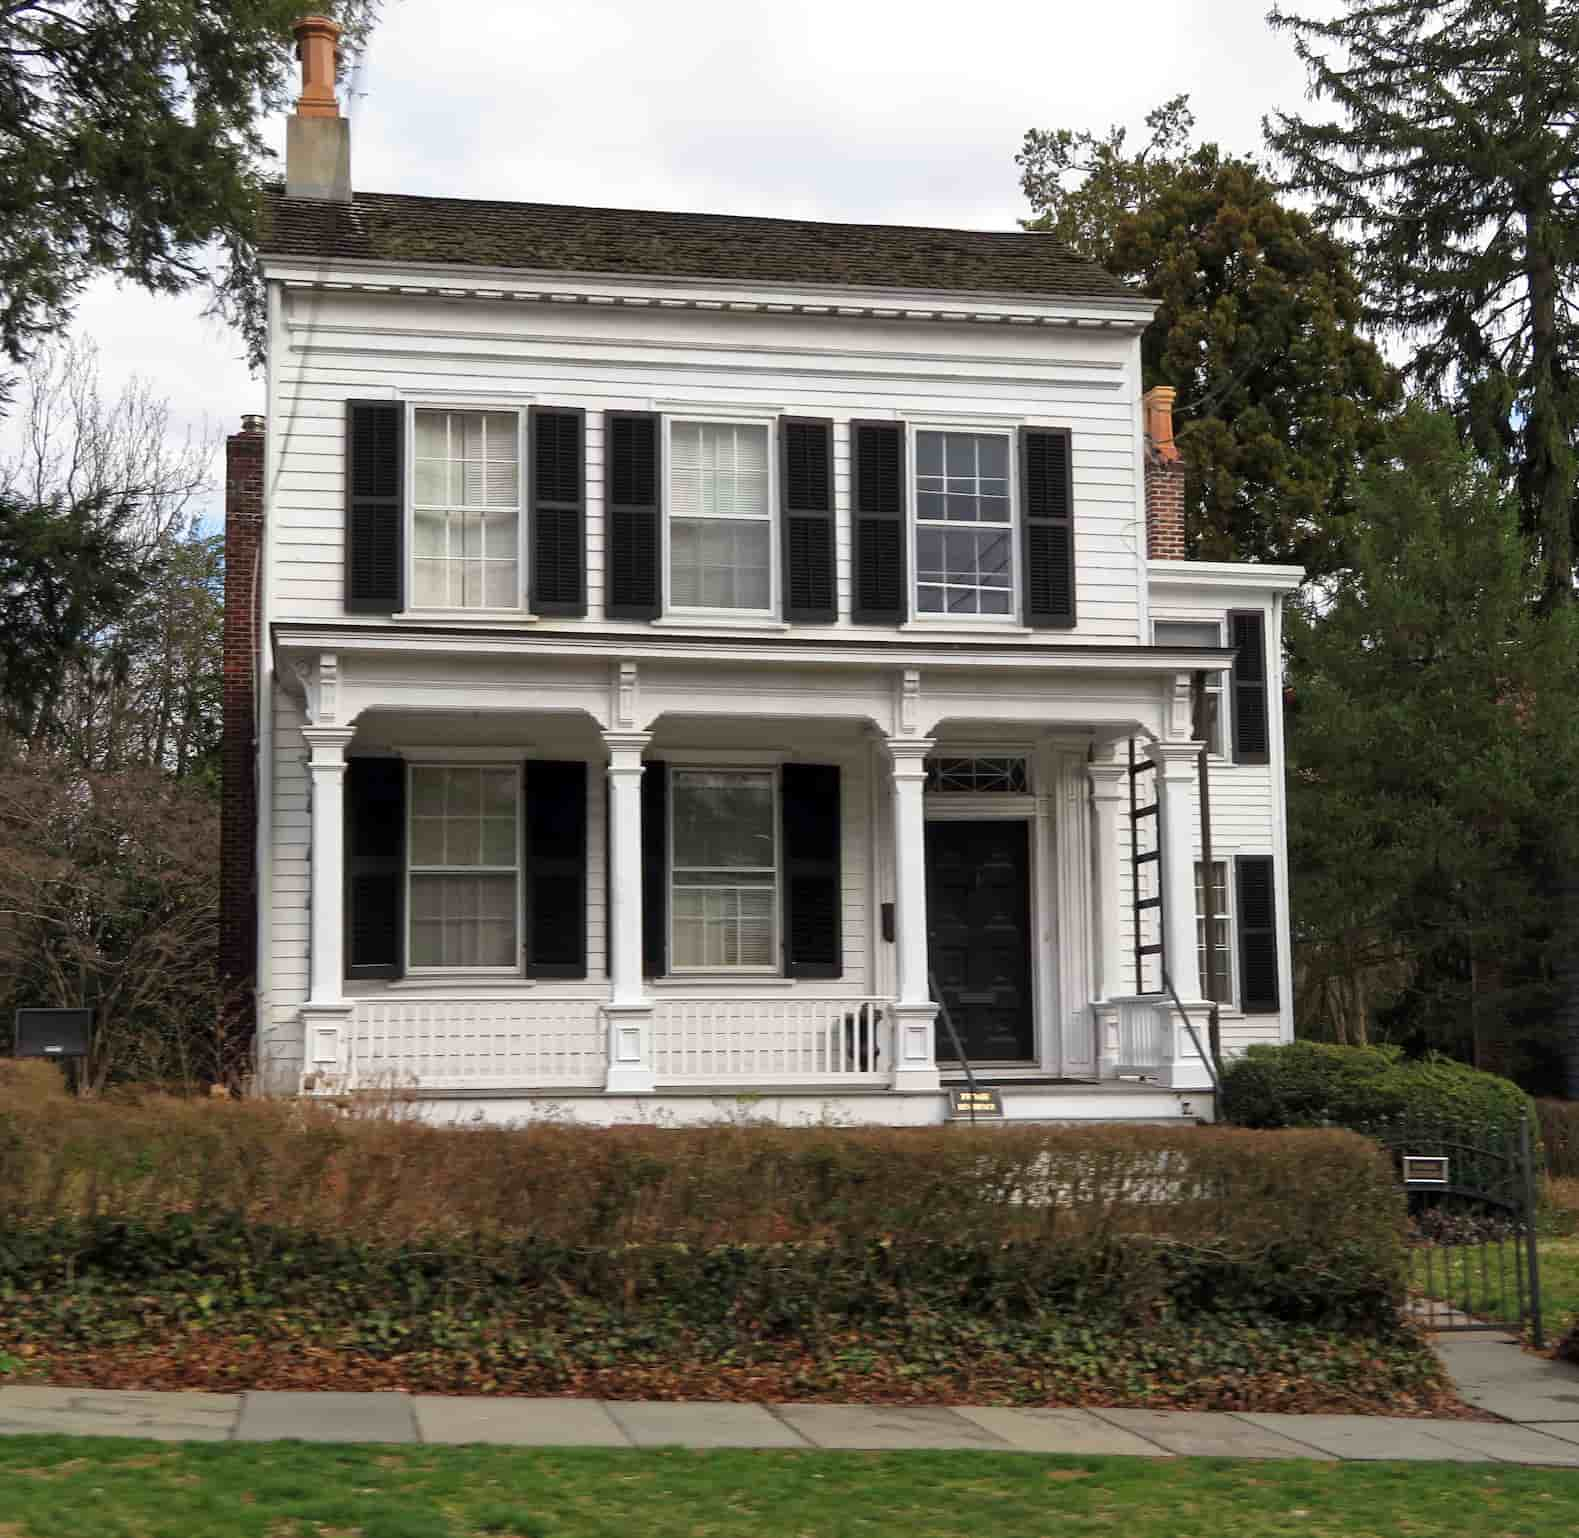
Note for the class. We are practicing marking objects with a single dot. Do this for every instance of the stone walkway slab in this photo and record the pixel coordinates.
(1367, 1438)
(516, 1422)
(1493, 1373)
(1198, 1434)
(1061, 1431)
(887, 1427)
(1492, 1440)
(109, 1412)
(1564, 1431)
(279, 1417)
(655, 1423)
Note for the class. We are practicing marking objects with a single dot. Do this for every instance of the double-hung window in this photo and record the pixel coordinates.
(720, 516)
(465, 866)
(466, 510)
(1213, 932)
(723, 870)
(1208, 727)
(964, 524)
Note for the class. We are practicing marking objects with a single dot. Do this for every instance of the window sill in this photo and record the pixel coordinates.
(956, 627)
(712, 621)
(720, 980)
(460, 978)
(482, 618)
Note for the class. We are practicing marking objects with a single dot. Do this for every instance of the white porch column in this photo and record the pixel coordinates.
(1109, 777)
(327, 965)
(915, 1060)
(1177, 769)
(629, 1011)
(327, 1012)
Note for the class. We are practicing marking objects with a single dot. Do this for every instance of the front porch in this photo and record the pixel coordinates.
(672, 908)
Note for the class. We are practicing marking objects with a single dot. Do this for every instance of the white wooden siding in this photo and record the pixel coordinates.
(346, 347)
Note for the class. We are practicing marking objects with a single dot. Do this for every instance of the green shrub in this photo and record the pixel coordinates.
(1312, 1084)
(1560, 1135)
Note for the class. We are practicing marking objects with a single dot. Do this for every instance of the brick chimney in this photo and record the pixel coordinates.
(317, 138)
(238, 819)
(1164, 478)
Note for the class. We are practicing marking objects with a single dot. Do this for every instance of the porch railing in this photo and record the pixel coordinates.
(772, 1040)
(476, 1043)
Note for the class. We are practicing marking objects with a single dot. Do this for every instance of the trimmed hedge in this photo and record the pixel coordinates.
(1313, 1084)
(1560, 1134)
(740, 1233)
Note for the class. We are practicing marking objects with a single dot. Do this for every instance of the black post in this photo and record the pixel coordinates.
(1214, 1018)
(1527, 1159)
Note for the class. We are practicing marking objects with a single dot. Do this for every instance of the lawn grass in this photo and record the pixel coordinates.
(68, 1487)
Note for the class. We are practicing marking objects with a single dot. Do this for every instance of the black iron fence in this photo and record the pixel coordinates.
(1472, 1193)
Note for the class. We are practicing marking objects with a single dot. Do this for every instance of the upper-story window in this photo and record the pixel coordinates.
(466, 510)
(720, 516)
(964, 524)
(1209, 725)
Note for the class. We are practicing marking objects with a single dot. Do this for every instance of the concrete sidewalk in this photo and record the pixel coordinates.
(1539, 1401)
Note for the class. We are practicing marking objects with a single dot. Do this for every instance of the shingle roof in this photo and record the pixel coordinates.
(389, 227)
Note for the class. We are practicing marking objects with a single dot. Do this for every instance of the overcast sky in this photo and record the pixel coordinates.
(828, 109)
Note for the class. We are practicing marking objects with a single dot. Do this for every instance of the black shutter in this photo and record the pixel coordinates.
(632, 507)
(877, 468)
(655, 868)
(559, 510)
(1047, 527)
(375, 866)
(806, 479)
(556, 868)
(809, 810)
(374, 506)
(1247, 635)
(1256, 915)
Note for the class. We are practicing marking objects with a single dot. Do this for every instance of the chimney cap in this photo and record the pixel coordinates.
(1158, 405)
(318, 47)
(251, 422)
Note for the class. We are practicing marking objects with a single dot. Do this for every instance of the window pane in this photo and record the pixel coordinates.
(463, 921)
(718, 469)
(929, 453)
(723, 821)
(720, 564)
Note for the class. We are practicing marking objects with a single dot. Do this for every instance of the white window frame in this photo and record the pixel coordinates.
(776, 886)
(409, 529)
(1231, 917)
(519, 871)
(913, 429)
(769, 423)
(1216, 683)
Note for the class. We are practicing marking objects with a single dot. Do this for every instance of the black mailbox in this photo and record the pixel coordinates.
(53, 1032)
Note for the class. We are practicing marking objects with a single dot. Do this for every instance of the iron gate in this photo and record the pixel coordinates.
(1473, 1262)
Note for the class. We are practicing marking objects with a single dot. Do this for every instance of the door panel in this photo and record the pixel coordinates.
(979, 936)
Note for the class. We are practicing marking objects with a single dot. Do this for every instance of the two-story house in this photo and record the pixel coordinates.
(670, 655)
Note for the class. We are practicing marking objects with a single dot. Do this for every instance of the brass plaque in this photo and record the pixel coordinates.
(975, 1102)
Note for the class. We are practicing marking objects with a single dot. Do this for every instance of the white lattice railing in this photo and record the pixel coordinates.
(772, 1040)
(474, 1043)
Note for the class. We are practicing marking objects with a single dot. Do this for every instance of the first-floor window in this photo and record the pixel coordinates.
(964, 533)
(724, 870)
(720, 517)
(465, 866)
(466, 510)
(1213, 947)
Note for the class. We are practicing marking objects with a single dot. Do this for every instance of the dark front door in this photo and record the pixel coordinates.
(979, 936)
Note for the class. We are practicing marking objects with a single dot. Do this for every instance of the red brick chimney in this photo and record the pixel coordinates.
(238, 821)
(1164, 478)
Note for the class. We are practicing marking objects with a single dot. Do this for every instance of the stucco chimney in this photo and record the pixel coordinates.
(1164, 478)
(317, 138)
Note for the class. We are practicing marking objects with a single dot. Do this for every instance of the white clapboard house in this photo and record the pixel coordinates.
(670, 655)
